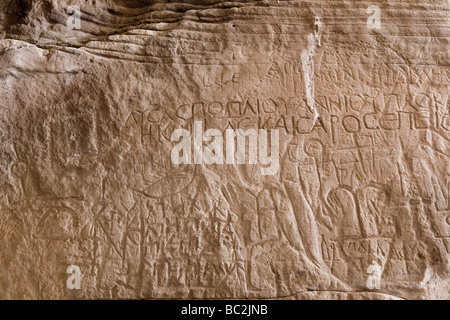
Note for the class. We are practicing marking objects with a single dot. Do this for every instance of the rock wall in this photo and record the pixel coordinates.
(93, 204)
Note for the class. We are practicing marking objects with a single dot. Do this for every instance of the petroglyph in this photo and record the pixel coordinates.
(348, 101)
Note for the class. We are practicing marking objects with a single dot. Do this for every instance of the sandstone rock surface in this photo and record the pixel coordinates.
(89, 100)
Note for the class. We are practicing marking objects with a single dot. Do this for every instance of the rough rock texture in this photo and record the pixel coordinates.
(86, 178)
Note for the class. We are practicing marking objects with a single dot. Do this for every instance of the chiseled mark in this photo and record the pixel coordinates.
(308, 56)
(74, 281)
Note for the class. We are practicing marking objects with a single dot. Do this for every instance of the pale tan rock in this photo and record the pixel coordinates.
(359, 208)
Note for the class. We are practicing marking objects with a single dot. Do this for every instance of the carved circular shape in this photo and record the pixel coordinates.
(314, 148)
(18, 169)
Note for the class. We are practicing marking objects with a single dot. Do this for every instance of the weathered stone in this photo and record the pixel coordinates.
(90, 101)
